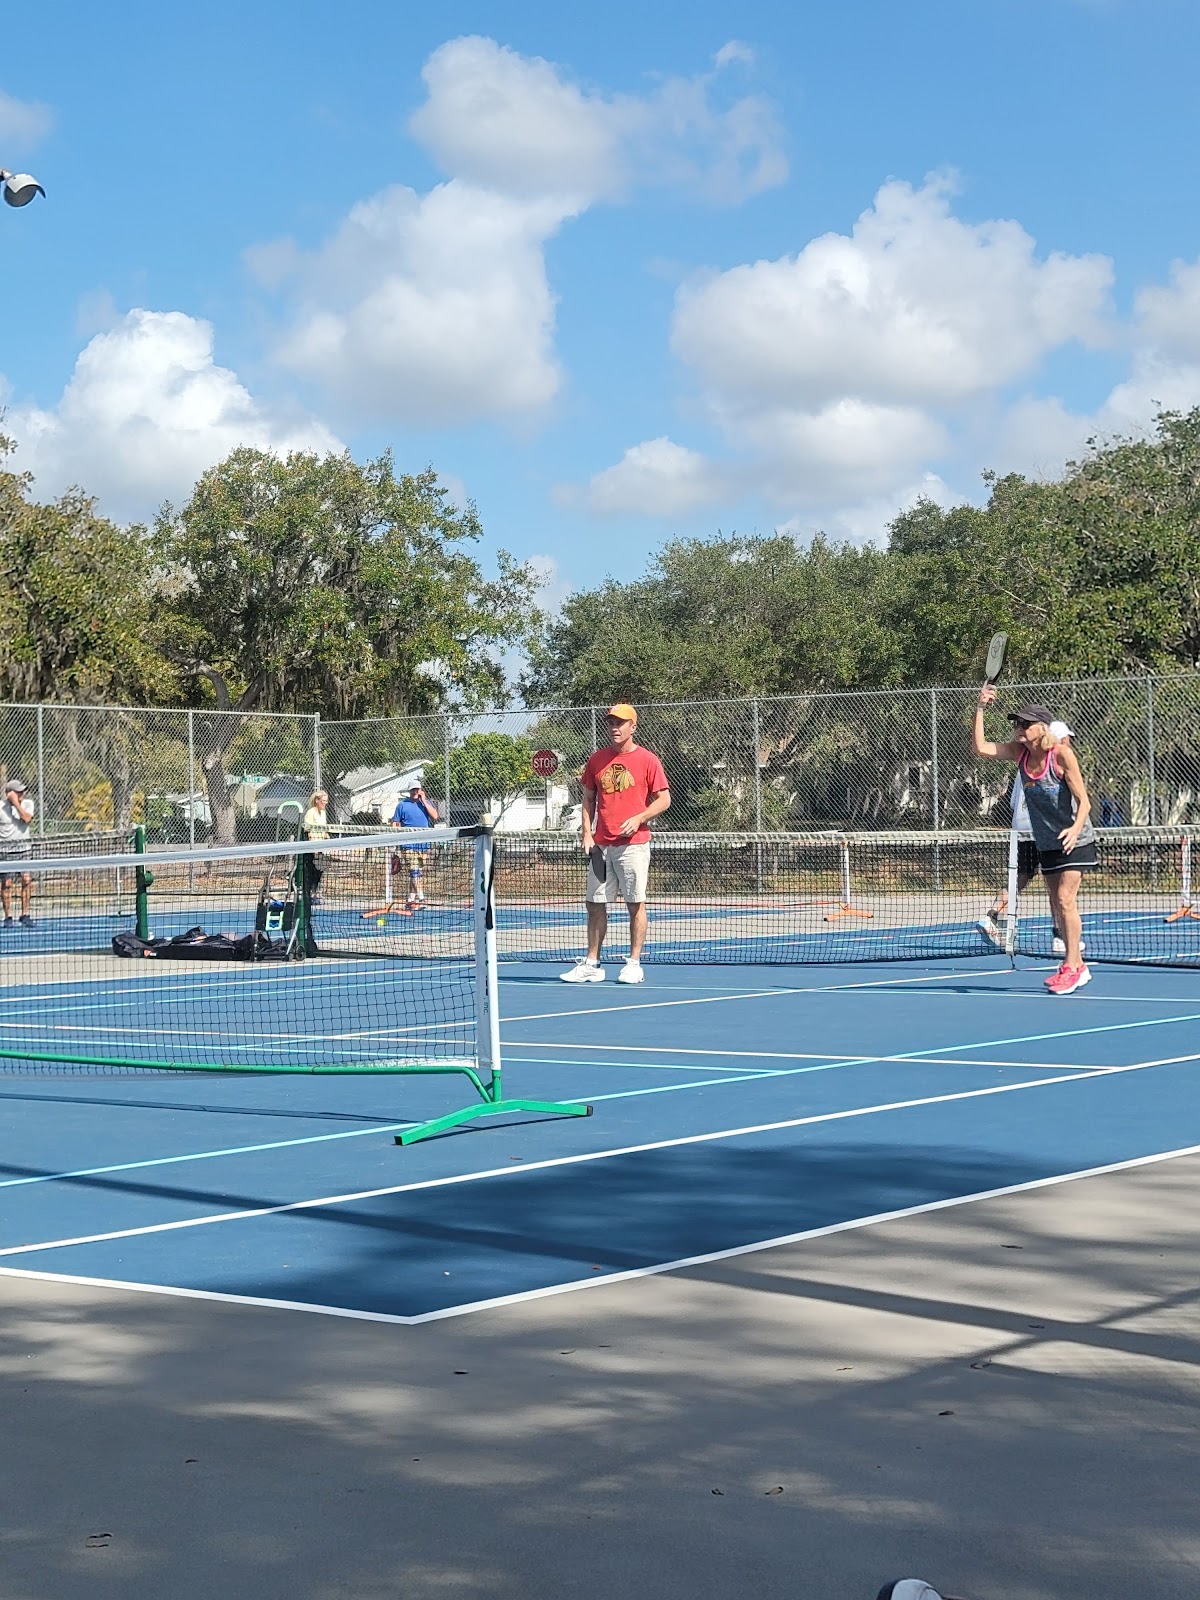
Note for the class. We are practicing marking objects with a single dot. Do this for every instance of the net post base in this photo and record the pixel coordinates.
(489, 1108)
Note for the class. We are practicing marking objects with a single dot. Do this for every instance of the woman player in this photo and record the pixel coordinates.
(992, 921)
(1064, 842)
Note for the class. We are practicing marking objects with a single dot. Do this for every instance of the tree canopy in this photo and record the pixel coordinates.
(76, 622)
(1096, 573)
(319, 584)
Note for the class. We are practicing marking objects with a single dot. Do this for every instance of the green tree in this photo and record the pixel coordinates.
(319, 584)
(491, 769)
(1131, 511)
(77, 624)
(720, 618)
(76, 615)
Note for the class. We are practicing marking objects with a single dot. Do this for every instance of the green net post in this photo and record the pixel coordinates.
(143, 878)
(305, 939)
(489, 1079)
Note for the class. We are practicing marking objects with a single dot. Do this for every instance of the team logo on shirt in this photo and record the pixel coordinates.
(615, 778)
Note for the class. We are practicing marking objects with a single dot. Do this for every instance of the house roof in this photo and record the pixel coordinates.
(283, 787)
(359, 778)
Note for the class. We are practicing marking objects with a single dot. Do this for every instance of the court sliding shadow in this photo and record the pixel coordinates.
(971, 1398)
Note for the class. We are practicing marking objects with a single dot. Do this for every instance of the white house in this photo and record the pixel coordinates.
(547, 807)
(373, 789)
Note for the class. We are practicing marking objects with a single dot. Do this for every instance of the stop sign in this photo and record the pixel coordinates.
(545, 763)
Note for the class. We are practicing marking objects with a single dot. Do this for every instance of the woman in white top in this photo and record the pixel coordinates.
(315, 826)
(316, 822)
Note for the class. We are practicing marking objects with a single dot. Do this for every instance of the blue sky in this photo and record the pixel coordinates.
(618, 273)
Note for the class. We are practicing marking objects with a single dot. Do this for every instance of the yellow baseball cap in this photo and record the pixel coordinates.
(625, 713)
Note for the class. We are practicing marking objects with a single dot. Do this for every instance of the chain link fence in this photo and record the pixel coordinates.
(186, 776)
(894, 759)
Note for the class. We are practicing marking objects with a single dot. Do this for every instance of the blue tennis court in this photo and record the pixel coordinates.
(735, 1107)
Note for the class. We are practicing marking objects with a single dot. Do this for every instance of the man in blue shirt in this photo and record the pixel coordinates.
(416, 810)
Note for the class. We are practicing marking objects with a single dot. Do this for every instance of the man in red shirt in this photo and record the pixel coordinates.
(623, 787)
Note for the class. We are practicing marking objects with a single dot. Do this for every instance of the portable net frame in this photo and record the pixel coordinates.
(825, 898)
(296, 957)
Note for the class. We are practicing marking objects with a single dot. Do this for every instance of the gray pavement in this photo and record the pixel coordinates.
(1003, 1398)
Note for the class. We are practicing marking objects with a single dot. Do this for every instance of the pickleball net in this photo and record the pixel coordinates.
(296, 957)
(830, 898)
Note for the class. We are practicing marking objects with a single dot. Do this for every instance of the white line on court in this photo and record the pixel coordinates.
(832, 1060)
(474, 1307)
(823, 1064)
(580, 1159)
(753, 1055)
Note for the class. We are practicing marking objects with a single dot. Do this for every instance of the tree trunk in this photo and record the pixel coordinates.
(214, 736)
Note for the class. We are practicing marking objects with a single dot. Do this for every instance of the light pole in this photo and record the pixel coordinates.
(19, 187)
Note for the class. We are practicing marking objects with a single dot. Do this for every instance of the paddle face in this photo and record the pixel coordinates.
(995, 657)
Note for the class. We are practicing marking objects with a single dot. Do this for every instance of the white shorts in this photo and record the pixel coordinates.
(626, 869)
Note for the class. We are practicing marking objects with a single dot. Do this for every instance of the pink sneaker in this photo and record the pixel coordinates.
(1067, 979)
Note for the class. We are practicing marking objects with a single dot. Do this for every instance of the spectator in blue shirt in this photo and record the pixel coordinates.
(416, 810)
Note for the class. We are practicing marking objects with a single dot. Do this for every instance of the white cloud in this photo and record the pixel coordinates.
(658, 478)
(431, 310)
(24, 122)
(146, 410)
(914, 306)
(1039, 434)
(435, 309)
(868, 520)
(521, 126)
(841, 375)
(516, 124)
(1168, 315)
(848, 447)
(734, 50)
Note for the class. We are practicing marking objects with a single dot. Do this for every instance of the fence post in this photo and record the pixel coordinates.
(192, 779)
(935, 798)
(595, 731)
(318, 783)
(935, 773)
(755, 733)
(41, 761)
(446, 762)
(1150, 751)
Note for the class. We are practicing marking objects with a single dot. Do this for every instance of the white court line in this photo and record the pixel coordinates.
(593, 1281)
(764, 1055)
(833, 1061)
(825, 1064)
(580, 1159)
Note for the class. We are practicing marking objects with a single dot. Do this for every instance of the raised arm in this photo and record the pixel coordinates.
(987, 748)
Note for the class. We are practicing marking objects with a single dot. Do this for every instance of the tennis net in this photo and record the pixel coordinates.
(278, 958)
(846, 897)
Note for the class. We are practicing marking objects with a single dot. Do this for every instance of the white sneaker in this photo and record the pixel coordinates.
(1059, 946)
(584, 972)
(993, 927)
(631, 972)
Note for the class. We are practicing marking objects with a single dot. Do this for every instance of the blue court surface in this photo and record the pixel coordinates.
(735, 1107)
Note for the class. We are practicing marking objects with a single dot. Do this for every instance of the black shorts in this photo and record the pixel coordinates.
(12, 866)
(1031, 860)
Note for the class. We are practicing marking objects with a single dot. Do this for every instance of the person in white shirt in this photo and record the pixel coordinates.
(16, 813)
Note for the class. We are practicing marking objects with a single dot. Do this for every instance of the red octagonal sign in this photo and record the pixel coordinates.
(545, 763)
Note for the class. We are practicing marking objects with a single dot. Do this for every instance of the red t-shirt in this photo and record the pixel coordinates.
(624, 782)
